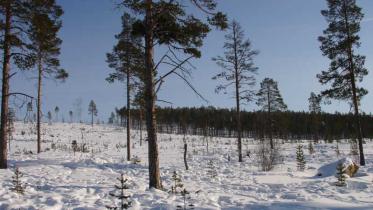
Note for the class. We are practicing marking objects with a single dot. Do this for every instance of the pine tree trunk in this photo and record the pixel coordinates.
(185, 154)
(92, 118)
(40, 71)
(128, 118)
(270, 119)
(354, 94)
(5, 88)
(238, 111)
(151, 123)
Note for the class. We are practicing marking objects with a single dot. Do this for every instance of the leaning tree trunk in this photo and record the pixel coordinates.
(357, 120)
(40, 72)
(128, 118)
(150, 97)
(354, 94)
(5, 89)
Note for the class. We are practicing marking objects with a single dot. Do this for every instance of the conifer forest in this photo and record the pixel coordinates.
(186, 104)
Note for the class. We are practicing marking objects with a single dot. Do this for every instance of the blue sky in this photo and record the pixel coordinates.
(285, 32)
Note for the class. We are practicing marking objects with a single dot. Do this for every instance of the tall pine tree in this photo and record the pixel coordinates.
(14, 29)
(127, 59)
(238, 71)
(92, 110)
(167, 23)
(339, 43)
(45, 48)
(315, 110)
(270, 100)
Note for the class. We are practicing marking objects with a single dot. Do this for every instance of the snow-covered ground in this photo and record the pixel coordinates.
(60, 179)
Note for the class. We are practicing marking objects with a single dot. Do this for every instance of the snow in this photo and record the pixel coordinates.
(60, 179)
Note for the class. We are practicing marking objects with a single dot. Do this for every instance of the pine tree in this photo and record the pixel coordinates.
(127, 59)
(92, 110)
(301, 162)
(124, 199)
(337, 152)
(10, 125)
(166, 23)
(270, 100)
(238, 71)
(340, 175)
(14, 29)
(177, 182)
(49, 117)
(186, 196)
(18, 186)
(111, 118)
(211, 169)
(56, 110)
(339, 43)
(45, 48)
(315, 110)
(314, 103)
(311, 149)
(71, 116)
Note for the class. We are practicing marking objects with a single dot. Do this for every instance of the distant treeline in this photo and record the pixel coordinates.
(220, 122)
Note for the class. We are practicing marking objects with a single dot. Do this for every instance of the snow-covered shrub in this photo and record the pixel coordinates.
(267, 157)
(135, 160)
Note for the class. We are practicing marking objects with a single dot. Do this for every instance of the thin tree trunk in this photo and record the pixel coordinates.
(92, 118)
(185, 154)
(238, 111)
(151, 123)
(5, 88)
(140, 126)
(270, 119)
(40, 72)
(128, 118)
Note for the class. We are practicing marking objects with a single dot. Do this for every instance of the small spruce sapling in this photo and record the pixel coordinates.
(125, 203)
(185, 194)
(340, 175)
(18, 187)
(337, 151)
(311, 149)
(301, 162)
(211, 169)
(177, 182)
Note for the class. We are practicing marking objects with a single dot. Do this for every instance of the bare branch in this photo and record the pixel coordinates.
(191, 86)
(173, 70)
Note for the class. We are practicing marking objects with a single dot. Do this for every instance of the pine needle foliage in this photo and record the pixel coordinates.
(186, 196)
(301, 162)
(177, 183)
(340, 175)
(311, 149)
(124, 198)
(211, 169)
(18, 187)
